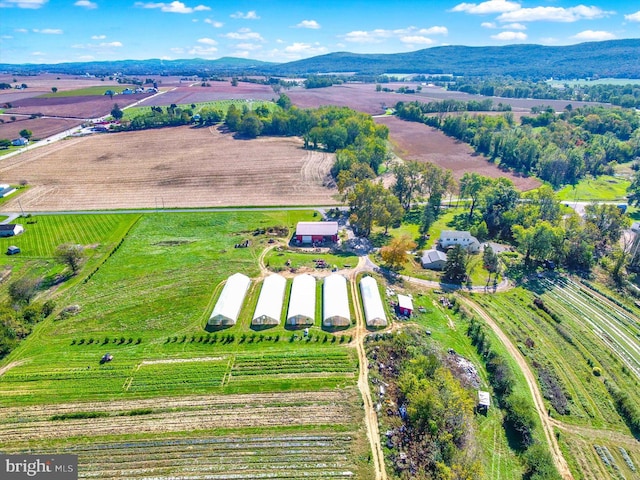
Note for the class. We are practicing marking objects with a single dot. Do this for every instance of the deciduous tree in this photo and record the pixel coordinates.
(71, 255)
(395, 254)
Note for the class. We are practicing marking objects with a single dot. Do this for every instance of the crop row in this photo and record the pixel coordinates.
(278, 457)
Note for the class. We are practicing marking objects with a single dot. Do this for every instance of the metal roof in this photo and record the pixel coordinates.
(431, 256)
(317, 228)
(405, 301)
(484, 399)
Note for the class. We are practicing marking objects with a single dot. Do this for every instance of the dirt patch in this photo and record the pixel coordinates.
(415, 141)
(9, 366)
(207, 168)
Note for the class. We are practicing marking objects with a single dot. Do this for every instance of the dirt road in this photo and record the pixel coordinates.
(370, 416)
(547, 424)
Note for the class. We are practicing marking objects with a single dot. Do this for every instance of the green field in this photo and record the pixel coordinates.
(88, 91)
(605, 187)
(223, 105)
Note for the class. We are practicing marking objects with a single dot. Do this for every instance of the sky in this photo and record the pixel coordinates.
(52, 31)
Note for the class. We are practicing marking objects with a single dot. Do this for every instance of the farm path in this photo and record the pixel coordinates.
(9, 366)
(547, 424)
(370, 417)
(500, 287)
(593, 433)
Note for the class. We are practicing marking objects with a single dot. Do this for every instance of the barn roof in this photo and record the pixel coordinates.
(405, 301)
(9, 227)
(317, 228)
(231, 299)
(372, 302)
(302, 301)
(335, 300)
(271, 298)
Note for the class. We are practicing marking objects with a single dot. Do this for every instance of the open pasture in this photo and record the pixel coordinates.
(43, 82)
(415, 141)
(167, 168)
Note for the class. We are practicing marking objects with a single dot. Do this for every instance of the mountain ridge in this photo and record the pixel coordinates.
(611, 58)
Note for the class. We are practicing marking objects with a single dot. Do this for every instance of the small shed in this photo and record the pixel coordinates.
(312, 232)
(405, 305)
(484, 401)
(269, 307)
(433, 259)
(12, 250)
(228, 306)
(20, 142)
(335, 302)
(302, 301)
(11, 229)
(372, 302)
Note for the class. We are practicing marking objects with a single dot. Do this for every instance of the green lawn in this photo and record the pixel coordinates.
(277, 260)
(223, 105)
(88, 91)
(605, 187)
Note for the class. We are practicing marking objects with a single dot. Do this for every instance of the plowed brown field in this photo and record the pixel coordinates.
(416, 141)
(178, 167)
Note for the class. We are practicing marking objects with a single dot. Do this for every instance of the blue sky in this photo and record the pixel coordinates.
(51, 31)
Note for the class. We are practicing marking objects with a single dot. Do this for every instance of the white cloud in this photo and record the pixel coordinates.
(98, 37)
(251, 15)
(491, 6)
(38, 54)
(510, 36)
(488, 25)
(6, 37)
(207, 41)
(379, 35)
(173, 7)
(594, 35)
(514, 26)
(86, 4)
(244, 34)
(416, 40)
(49, 31)
(554, 14)
(214, 23)
(248, 46)
(30, 4)
(203, 51)
(633, 17)
(21, 30)
(312, 24)
(98, 46)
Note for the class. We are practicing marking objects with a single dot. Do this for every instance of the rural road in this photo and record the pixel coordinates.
(370, 415)
(547, 424)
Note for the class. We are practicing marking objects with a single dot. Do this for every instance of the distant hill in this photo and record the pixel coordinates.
(221, 66)
(613, 58)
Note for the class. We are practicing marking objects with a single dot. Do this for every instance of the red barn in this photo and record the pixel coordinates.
(312, 232)
(405, 305)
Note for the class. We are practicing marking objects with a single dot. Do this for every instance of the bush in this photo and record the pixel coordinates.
(597, 371)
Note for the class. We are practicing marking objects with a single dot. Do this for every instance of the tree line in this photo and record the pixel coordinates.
(626, 95)
(559, 148)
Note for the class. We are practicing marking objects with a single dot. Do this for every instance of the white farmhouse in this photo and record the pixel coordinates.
(449, 238)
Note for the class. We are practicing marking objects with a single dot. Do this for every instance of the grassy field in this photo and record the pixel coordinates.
(605, 187)
(222, 105)
(171, 381)
(88, 91)
(578, 342)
